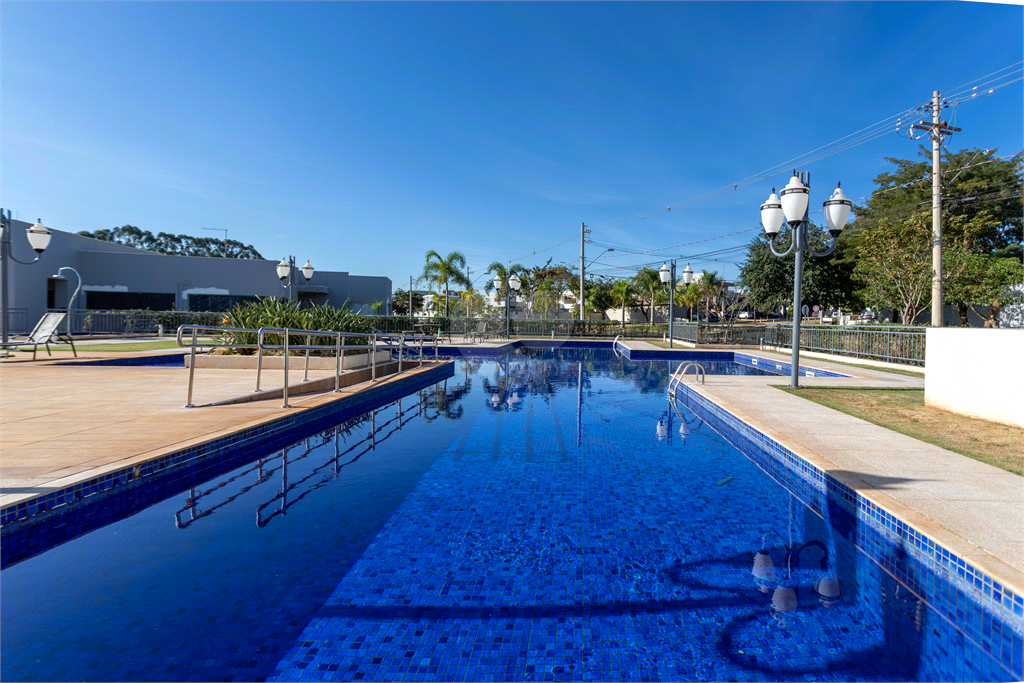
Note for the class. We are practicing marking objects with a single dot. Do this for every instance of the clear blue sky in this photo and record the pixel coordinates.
(359, 136)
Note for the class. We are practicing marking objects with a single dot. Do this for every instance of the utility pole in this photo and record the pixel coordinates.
(410, 296)
(583, 241)
(938, 129)
(469, 293)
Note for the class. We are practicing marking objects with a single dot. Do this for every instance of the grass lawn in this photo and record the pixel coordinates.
(904, 411)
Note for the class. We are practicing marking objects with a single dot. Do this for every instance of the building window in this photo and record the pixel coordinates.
(217, 302)
(127, 301)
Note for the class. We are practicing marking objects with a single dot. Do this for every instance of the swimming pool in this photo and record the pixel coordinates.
(542, 516)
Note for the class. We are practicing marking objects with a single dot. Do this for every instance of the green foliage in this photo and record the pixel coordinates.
(400, 302)
(987, 186)
(174, 245)
(894, 261)
(445, 271)
(984, 280)
(827, 281)
(649, 290)
(286, 313)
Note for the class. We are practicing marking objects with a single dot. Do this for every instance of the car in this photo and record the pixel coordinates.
(745, 315)
(868, 315)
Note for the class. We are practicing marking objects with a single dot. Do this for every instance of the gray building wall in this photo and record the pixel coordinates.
(105, 266)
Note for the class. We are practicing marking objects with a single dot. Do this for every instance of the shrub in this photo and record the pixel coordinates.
(286, 313)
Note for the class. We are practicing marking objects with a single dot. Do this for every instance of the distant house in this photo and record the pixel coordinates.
(116, 277)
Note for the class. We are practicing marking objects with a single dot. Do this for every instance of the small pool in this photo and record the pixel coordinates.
(549, 515)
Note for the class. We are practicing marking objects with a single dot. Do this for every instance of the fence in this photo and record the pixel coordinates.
(134, 322)
(525, 327)
(17, 321)
(890, 344)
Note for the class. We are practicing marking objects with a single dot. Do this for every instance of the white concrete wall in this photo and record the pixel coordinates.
(976, 372)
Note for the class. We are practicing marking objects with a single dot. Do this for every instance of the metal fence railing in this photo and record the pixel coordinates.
(525, 327)
(407, 348)
(134, 322)
(891, 344)
(17, 321)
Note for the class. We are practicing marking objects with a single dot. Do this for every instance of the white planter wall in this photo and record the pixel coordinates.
(976, 372)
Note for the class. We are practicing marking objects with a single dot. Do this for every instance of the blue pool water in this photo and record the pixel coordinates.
(543, 516)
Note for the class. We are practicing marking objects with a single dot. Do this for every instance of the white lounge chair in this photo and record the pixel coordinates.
(45, 332)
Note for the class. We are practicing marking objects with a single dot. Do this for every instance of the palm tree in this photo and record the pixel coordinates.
(443, 271)
(624, 292)
(690, 296)
(711, 286)
(504, 274)
(648, 281)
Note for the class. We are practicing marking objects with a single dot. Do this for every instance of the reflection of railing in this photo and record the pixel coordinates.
(372, 343)
(266, 467)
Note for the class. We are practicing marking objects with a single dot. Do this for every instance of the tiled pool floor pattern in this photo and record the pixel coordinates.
(476, 544)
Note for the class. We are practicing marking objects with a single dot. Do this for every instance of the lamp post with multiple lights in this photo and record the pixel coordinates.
(286, 271)
(790, 206)
(514, 283)
(38, 238)
(668, 281)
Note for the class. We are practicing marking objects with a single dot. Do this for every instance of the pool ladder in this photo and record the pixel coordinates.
(615, 345)
(680, 373)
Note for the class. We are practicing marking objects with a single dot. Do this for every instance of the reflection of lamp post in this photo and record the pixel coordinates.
(286, 271)
(514, 283)
(668, 281)
(793, 208)
(38, 238)
(74, 296)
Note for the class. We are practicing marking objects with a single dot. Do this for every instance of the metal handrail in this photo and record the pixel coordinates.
(615, 347)
(680, 373)
(374, 341)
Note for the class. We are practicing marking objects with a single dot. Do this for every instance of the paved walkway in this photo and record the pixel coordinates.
(63, 422)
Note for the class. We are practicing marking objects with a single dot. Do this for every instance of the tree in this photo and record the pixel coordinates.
(444, 271)
(377, 307)
(649, 289)
(973, 182)
(624, 293)
(894, 261)
(690, 296)
(503, 273)
(985, 279)
(174, 245)
(827, 281)
(400, 302)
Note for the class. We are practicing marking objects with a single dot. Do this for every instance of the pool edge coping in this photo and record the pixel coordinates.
(65, 486)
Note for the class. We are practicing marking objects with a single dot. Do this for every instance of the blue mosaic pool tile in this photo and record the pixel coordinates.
(877, 531)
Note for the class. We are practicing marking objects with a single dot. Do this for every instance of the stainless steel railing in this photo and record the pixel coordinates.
(372, 343)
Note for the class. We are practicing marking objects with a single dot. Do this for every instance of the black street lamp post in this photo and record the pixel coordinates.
(792, 207)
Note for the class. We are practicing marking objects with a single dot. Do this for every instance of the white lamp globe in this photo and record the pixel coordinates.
(688, 274)
(665, 273)
(497, 283)
(771, 216)
(784, 600)
(794, 199)
(837, 211)
(514, 282)
(38, 236)
(307, 271)
(661, 431)
(282, 269)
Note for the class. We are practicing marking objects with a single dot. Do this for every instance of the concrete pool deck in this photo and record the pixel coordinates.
(65, 421)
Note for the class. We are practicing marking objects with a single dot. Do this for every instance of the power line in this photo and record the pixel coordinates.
(864, 135)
